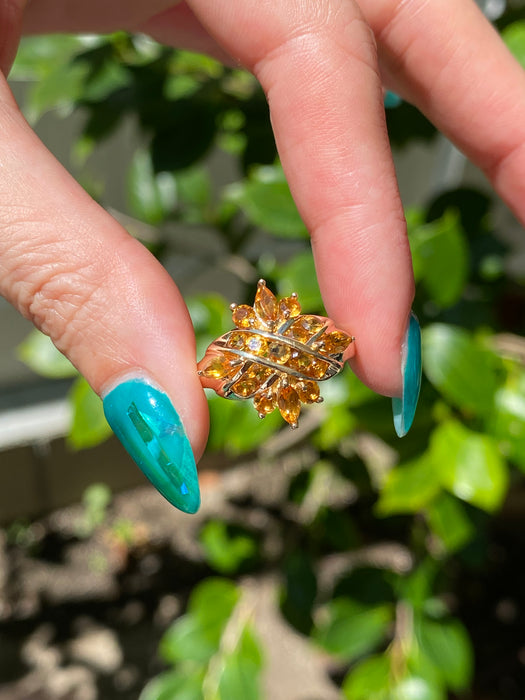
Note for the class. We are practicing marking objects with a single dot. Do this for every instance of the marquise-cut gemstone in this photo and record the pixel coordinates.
(237, 340)
(278, 352)
(317, 369)
(304, 328)
(221, 366)
(251, 381)
(289, 307)
(259, 373)
(289, 405)
(244, 316)
(265, 305)
(333, 343)
(263, 403)
(308, 366)
(307, 391)
(245, 387)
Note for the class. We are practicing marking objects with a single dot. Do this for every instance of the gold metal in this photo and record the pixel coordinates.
(275, 355)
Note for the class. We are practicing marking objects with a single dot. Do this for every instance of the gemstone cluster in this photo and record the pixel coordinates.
(275, 355)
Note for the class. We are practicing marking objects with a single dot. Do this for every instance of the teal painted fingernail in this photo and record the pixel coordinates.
(391, 100)
(404, 408)
(145, 422)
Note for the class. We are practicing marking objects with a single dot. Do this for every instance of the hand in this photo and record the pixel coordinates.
(111, 308)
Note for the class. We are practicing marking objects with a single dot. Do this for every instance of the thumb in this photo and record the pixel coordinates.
(106, 303)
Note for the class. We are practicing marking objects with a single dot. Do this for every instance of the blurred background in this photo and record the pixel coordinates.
(334, 561)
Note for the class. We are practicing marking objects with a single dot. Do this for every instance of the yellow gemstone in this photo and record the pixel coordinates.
(300, 361)
(307, 391)
(289, 405)
(289, 307)
(263, 403)
(221, 367)
(278, 352)
(304, 328)
(237, 340)
(256, 345)
(244, 316)
(259, 372)
(245, 387)
(308, 366)
(333, 343)
(265, 305)
(251, 381)
(317, 369)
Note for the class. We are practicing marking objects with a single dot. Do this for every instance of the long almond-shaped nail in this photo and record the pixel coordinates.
(149, 427)
(404, 408)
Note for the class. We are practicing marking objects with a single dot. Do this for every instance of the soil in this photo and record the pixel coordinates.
(81, 613)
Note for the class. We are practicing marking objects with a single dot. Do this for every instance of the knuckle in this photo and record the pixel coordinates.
(64, 301)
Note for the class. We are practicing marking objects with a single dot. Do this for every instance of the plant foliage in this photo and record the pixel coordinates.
(387, 626)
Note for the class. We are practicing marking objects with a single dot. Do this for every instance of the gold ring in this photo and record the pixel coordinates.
(275, 355)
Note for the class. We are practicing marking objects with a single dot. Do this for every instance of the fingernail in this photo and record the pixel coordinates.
(145, 421)
(404, 408)
(391, 100)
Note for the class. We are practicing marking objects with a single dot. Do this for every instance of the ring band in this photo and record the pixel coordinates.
(275, 355)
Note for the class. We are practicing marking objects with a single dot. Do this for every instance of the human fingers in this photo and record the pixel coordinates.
(447, 59)
(11, 23)
(106, 303)
(317, 64)
(316, 61)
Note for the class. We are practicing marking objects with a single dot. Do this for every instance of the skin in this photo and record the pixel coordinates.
(110, 306)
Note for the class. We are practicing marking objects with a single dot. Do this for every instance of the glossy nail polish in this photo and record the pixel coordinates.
(391, 100)
(404, 408)
(146, 423)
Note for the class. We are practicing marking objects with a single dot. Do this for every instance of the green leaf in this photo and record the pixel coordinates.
(299, 591)
(349, 629)
(38, 56)
(448, 520)
(194, 187)
(469, 465)
(417, 688)
(465, 372)
(39, 354)
(240, 673)
(60, 89)
(514, 37)
(179, 86)
(151, 197)
(507, 424)
(210, 316)
(266, 200)
(196, 635)
(298, 275)
(188, 639)
(89, 426)
(441, 258)
(248, 648)
(104, 79)
(212, 602)
(174, 685)
(172, 148)
(369, 680)
(236, 428)
(238, 679)
(447, 645)
(416, 587)
(225, 549)
(408, 488)
(338, 424)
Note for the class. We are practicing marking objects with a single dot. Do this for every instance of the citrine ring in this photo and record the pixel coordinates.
(275, 355)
